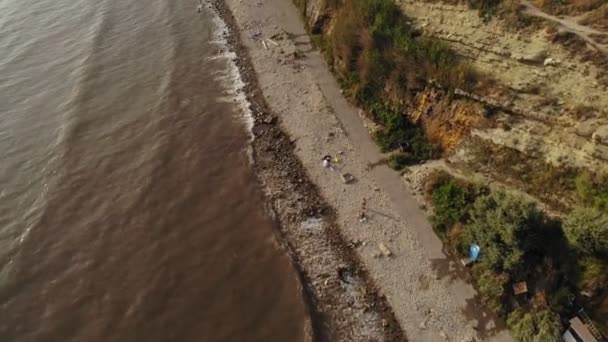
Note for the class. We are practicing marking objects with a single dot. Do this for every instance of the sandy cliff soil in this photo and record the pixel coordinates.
(556, 104)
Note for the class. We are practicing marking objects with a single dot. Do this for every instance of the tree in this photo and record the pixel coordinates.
(587, 231)
(449, 202)
(491, 286)
(594, 274)
(536, 326)
(505, 226)
(592, 190)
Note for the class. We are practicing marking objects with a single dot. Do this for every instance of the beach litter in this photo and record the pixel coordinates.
(385, 251)
(272, 42)
(345, 275)
(347, 178)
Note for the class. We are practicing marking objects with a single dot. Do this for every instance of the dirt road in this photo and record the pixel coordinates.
(568, 24)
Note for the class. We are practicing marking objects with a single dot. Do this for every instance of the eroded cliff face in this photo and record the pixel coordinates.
(447, 122)
(547, 97)
(556, 99)
(317, 14)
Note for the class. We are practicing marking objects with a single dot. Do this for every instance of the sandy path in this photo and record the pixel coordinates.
(568, 24)
(422, 286)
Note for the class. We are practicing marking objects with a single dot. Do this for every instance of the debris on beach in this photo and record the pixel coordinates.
(355, 243)
(347, 178)
(385, 251)
(272, 42)
(345, 274)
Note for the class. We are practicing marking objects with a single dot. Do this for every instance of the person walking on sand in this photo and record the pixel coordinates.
(200, 7)
(327, 162)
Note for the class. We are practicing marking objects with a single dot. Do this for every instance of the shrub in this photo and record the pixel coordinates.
(378, 59)
(399, 160)
(487, 8)
(536, 326)
(398, 133)
(502, 225)
(560, 300)
(584, 187)
(452, 200)
(592, 191)
(587, 231)
(449, 203)
(491, 286)
(594, 274)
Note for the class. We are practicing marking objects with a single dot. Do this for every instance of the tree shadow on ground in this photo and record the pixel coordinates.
(451, 268)
(488, 322)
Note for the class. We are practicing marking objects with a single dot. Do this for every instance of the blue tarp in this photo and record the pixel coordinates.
(474, 252)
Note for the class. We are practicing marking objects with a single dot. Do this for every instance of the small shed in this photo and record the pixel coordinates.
(520, 288)
(578, 332)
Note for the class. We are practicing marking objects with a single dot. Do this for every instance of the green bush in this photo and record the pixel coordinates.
(399, 160)
(398, 133)
(503, 225)
(592, 191)
(536, 326)
(487, 8)
(594, 274)
(559, 301)
(491, 286)
(587, 231)
(378, 59)
(449, 203)
(452, 200)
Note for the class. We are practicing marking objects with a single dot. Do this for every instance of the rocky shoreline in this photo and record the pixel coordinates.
(343, 300)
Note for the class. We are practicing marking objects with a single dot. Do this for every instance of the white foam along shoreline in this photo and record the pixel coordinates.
(230, 78)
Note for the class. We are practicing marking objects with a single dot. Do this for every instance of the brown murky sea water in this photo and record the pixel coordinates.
(128, 208)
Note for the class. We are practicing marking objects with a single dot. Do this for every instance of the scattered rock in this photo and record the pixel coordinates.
(384, 323)
(422, 325)
(270, 119)
(354, 243)
(344, 274)
(601, 135)
(537, 57)
(347, 178)
(385, 251)
(586, 128)
(468, 339)
(443, 335)
(551, 62)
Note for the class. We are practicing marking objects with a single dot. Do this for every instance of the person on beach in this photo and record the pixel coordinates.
(200, 7)
(327, 162)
